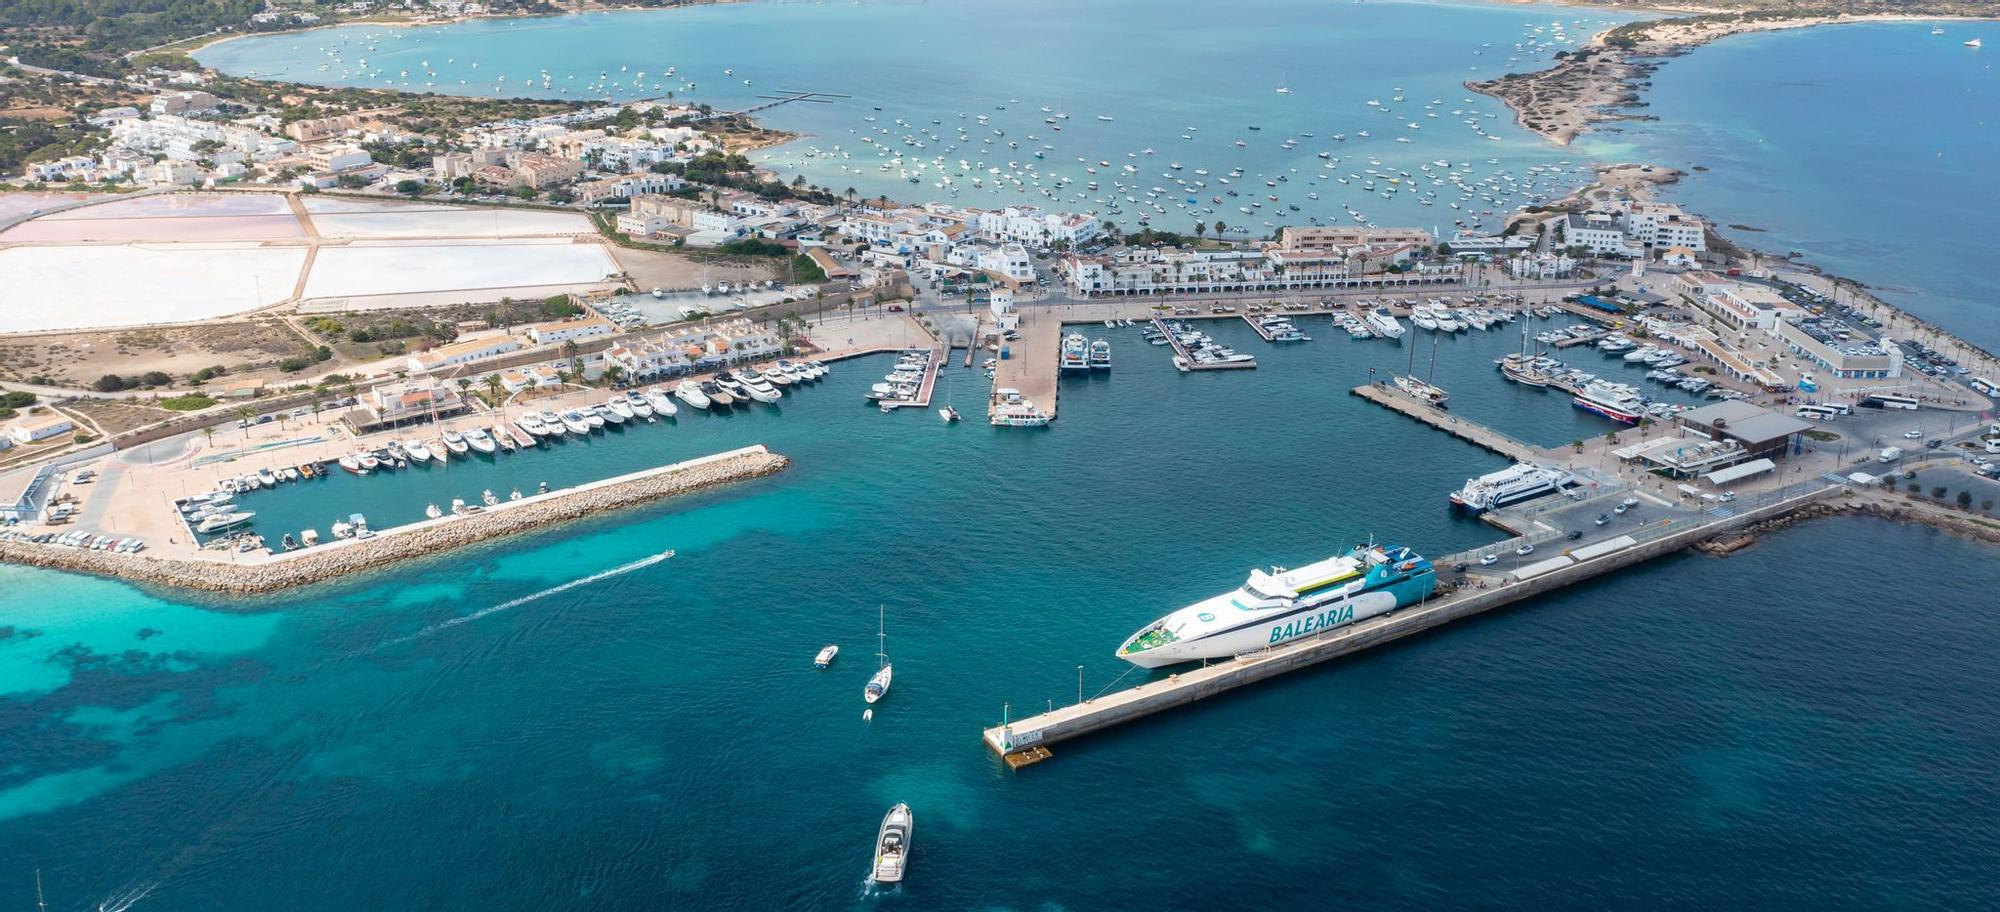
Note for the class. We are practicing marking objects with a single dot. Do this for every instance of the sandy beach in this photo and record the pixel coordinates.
(1595, 83)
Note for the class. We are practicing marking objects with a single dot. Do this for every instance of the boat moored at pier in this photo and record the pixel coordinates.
(1516, 483)
(1276, 607)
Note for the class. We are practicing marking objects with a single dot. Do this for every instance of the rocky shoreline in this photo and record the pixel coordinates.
(1876, 504)
(338, 559)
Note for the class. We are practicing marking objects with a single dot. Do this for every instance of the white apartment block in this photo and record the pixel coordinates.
(1601, 233)
(1009, 261)
(567, 330)
(1035, 228)
(1663, 225)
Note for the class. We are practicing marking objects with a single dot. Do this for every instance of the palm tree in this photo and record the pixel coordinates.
(464, 384)
(1200, 228)
(850, 194)
(1220, 227)
(494, 386)
(612, 373)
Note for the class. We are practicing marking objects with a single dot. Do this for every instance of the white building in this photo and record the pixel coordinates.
(464, 352)
(1034, 228)
(567, 330)
(1602, 233)
(41, 427)
(1663, 225)
(1010, 261)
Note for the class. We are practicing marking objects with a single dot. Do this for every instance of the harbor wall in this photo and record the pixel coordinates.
(268, 573)
(1186, 687)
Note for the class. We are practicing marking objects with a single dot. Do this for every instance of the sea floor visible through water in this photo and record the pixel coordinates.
(563, 720)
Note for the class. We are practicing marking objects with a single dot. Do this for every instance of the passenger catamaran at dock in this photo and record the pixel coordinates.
(1284, 605)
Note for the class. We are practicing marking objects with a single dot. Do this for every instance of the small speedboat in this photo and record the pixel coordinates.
(826, 655)
(948, 413)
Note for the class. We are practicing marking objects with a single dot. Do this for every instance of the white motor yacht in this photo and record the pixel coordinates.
(417, 451)
(758, 388)
(574, 422)
(558, 427)
(620, 407)
(687, 391)
(662, 402)
(637, 402)
(478, 439)
(892, 843)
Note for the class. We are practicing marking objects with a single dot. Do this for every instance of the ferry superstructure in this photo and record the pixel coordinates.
(1513, 484)
(1075, 353)
(1276, 607)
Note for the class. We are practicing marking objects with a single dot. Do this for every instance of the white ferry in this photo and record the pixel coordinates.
(1285, 605)
(1075, 350)
(1611, 401)
(1514, 484)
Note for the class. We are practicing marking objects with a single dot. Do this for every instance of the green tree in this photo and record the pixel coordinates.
(494, 386)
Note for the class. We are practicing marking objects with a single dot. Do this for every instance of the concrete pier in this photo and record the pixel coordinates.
(1396, 400)
(1025, 741)
(1033, 361)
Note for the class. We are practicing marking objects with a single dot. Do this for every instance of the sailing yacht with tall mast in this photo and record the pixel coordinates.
(878, 685)
(1422, 389)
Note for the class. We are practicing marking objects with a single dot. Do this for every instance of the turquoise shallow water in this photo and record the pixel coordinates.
(1146, 65)
(1805, 725)
(453, 733)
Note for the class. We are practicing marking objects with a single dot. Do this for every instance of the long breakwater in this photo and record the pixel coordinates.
(331, 561)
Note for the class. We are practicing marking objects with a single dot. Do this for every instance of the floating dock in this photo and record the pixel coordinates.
(1396, 400)
(1585, 339)
(1181, 351)
(1025, 741)
(1263, 333)
(938, 357)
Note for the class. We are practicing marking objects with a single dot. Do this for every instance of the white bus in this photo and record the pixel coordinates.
(1982, 384)
(1817, 412)
(1885, 400)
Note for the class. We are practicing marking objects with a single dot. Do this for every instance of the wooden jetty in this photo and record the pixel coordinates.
(1396, 400)
(1025, 741)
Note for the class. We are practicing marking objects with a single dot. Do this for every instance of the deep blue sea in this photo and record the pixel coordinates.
(1806, 725)
(1866, 148)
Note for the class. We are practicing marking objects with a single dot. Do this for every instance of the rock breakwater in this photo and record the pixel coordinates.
(269, 573)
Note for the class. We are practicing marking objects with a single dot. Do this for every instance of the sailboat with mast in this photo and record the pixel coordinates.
(1520, 366)
(878, 685)
(1422, 389)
